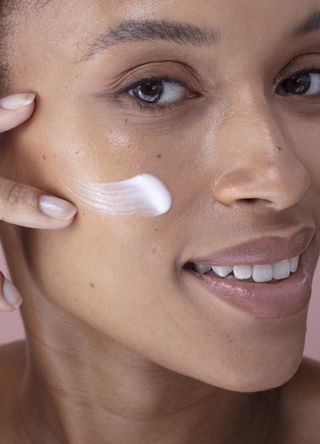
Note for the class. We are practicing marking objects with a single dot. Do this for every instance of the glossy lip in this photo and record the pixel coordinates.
(284, 298)
(266, 250)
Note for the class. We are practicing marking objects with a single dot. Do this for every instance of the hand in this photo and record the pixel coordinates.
(25, 205)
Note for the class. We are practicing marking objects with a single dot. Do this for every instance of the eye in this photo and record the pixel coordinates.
(161, 91)
(306, 83)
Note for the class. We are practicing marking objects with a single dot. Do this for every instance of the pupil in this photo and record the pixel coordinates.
(150, 91)
(300, 83)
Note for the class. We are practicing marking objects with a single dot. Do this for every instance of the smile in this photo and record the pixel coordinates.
(250, 273)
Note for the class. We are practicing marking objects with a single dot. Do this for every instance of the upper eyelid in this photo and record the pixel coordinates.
(293, 65)
(285, 73)
(202, 85)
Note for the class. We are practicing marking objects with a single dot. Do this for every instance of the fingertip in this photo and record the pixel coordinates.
(57, 208)
(17, 101)
(12, 119)
(5, 307)
(11, 294)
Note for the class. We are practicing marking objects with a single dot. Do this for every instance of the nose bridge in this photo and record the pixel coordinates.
(257, 162)
(250, 116)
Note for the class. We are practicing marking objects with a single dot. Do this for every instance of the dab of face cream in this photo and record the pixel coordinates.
(142, 194)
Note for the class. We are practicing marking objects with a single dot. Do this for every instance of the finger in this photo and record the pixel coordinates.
(27, 206)
(10, 297)
(15, 110)
(21, 204)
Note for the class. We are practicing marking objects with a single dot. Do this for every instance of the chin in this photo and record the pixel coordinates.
(259, 371)
(260, 379)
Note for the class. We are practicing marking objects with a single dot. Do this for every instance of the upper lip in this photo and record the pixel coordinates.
(264, 250)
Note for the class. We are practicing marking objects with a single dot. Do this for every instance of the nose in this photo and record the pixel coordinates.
(257, 164)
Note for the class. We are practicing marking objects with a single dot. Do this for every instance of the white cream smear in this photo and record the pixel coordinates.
(143, 194)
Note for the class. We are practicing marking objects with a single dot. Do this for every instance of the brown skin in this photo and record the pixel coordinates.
(118, 351)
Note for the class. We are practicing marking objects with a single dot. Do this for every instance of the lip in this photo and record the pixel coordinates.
(283, 298)
(265, 250)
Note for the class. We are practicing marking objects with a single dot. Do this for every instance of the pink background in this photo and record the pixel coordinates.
(11, 326)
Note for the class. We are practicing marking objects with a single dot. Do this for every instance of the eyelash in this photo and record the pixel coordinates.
(289, 72)
(150, 107)
(144, 106)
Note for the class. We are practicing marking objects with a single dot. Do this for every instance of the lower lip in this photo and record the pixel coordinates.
(264, 300)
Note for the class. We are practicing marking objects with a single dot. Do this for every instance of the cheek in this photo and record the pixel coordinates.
(113, 275)
(106, 149)
(115, 254)
(303, 139)
(302, 136)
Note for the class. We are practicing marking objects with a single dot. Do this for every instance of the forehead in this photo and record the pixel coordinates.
(55, 37)
(75, 24)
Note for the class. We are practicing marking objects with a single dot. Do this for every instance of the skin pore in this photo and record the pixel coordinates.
(121, 348)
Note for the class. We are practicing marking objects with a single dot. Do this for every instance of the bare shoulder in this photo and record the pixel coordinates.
(301, 404)
(12, 347)
(12, 359)
(12, 364)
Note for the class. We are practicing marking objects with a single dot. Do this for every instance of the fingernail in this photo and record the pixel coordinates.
(11, 294)
(57, 208)
(17, 101)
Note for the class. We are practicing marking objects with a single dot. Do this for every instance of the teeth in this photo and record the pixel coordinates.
(222, 271)
(258, 273)
(262, 273)
(202, 268)
(242, 271)
(294, 264)
(281, 270)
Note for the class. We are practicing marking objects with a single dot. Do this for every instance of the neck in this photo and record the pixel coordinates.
(81, 387)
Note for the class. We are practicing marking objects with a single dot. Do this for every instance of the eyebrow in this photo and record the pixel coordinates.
(308, 26)
(141, 30)
(133, 30)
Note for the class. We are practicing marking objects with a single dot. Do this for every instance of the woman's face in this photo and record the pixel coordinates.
(229, 135)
